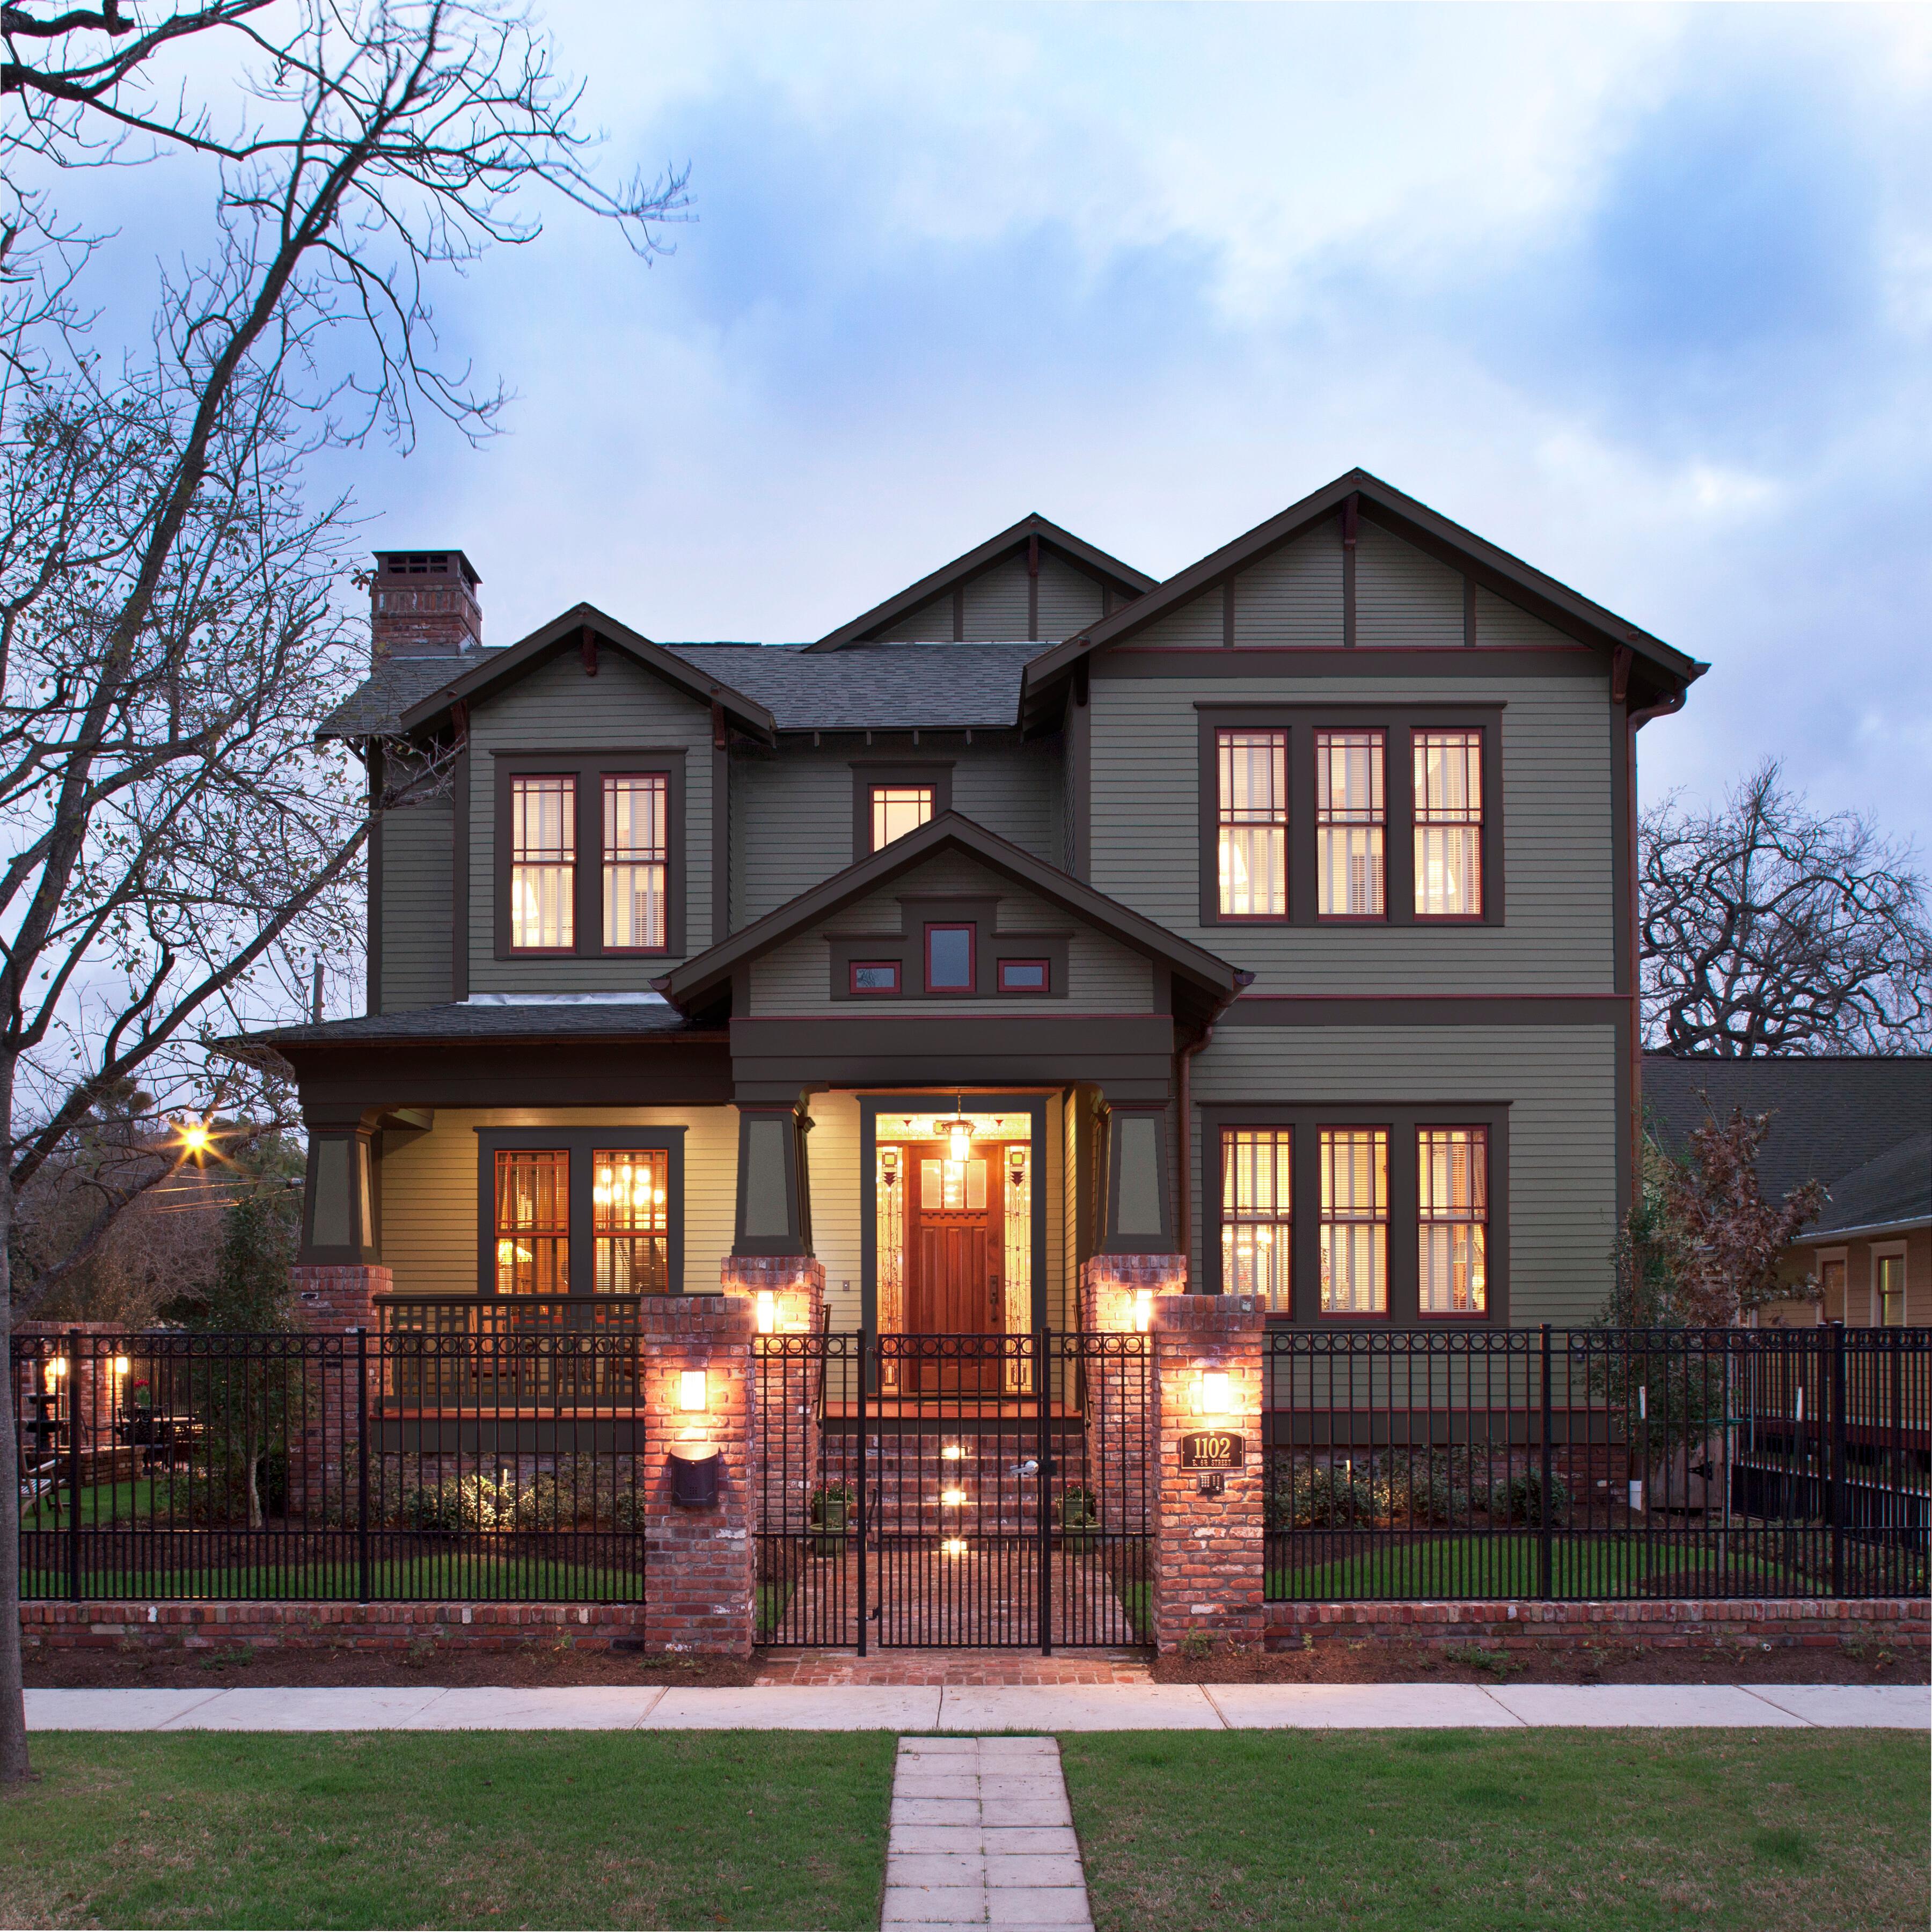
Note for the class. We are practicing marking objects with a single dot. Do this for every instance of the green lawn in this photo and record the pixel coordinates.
(708, 1828)
(1582, 1565)
(1480, 1831)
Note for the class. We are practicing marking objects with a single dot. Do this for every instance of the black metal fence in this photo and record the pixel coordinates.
(1598, 1464)
(408, 1465)
(942, 1491)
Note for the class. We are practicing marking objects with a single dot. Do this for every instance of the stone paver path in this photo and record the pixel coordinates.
(982, 1834)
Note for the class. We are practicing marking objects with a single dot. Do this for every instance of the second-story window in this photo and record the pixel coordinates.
(543, 864)
(1351, 825)
(949, 959)
(898, 809)
(1251, 840)
(1448, 824)
(636, 849)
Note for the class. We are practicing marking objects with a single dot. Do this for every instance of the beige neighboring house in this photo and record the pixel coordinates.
(1862, 1126)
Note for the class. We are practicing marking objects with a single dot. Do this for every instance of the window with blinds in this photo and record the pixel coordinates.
(1257, 1227)
(532, 1221)
(1353, 1234)
(543, 864)
(1351, 824)
(1448, 822)
(1453, 1190)
(1251, 835)
(636, 859)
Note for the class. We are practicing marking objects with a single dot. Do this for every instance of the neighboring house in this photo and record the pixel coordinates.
(1861, 1126)
(1277, 918)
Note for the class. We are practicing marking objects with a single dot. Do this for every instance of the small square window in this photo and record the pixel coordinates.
(949, 959)
(1024, 976)
(875, 976)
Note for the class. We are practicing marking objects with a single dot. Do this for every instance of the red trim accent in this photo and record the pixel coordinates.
(1046, 976)
(875, 966)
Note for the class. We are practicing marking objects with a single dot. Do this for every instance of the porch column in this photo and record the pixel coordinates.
(1139, 1216)
(774, 1192)
(701, 1558)
(1208, 1547)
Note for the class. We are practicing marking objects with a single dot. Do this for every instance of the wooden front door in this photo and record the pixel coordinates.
(953, 1242)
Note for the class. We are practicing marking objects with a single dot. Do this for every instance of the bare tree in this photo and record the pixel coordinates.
(1767, 929)
(168, 630)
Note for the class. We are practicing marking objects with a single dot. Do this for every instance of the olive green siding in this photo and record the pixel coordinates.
(416, 911)
(555, 709)
(429, 1190)
(791, 809)
(1069, 601)
(1560, 1083)
(1292, 596)
(1558, 936)
(1402, 597)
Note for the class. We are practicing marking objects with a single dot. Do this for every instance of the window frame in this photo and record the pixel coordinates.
(1882, 1252)
(892, 992)
(580, 1144)
(1403, 1119)
(907, 948)
(1475, 1317)
(1044, 991)
(971, 929)
(1213, 886)
(1415, 825)
(590, 769)
(1398, 723)
(507, 821)
(1277, 1219)
(1317, 733)
(935, 774)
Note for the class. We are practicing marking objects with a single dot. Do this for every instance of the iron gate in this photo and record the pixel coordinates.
(954, 1491)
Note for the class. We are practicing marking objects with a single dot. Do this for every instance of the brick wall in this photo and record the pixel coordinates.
(161, 1627)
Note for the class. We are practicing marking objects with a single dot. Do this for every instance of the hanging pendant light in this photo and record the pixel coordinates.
(958, 1132)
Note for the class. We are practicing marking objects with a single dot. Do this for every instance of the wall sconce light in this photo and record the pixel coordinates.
(1143, 1310)
(954, 1546)
(952, 1498)
(768, 1312)
(693, 1479)
(120, 1365)
(951, 1452)
(694, 1396)
(56, 1368)
(1211, 1393)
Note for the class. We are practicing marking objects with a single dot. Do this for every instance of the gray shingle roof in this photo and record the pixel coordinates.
(1829, 1117)
(862, 687)
(1896, 1187)
(602, 1020)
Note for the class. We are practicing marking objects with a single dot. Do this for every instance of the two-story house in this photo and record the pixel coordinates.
(1276, 920)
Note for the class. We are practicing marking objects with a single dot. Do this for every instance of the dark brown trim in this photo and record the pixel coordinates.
(685, 1070)
(1402, 1119)
(459, 871)
(590, 769)
(1325, 1009)
(1228, 613)
(372, 991)
(721, 826)
(1033, 588)
(906, 949)
(1468, 613)
(1351, 509)
(797, 1238)
(868, 772)
(1397, 722)
(580, 1143)
(364, 1243)
(1306, 661)
(1080, 779)
(1160, 1243)
(1130, 1057)
(959, 614)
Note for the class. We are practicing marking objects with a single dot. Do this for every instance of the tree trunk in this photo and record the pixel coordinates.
(13, 1763)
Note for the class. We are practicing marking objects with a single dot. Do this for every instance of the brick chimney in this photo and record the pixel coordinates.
(422, 604)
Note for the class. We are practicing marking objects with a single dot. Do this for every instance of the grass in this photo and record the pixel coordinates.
(455, 1577)
(706, 1828)
(1582, 1565)
(1478, 1832)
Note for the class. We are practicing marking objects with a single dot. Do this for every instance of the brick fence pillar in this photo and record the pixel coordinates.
(330, 1299)
(795, 1282)
(699, 1586)
(1208, 1541)
(335, 1300)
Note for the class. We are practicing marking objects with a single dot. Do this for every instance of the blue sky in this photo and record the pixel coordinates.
(1643, 296)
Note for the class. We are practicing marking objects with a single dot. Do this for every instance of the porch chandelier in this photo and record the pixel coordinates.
(957, 1132)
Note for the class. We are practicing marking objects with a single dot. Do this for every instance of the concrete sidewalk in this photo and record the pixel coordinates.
(1035, 1709)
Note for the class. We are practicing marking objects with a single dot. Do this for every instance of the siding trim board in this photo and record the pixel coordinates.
(580, 1143)
(1398, 723)
(1303, 661)
(1402, 1119)
(1327, 1009)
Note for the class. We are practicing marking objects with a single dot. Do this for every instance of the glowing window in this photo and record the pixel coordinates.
(1453, 1198)
(543, 864)
(1252, 828)
(532, 1221)
(1350, 825)
(898, 809)
(1448, 824)
(636, 853)
(1353, 1237)
(1257, 1227)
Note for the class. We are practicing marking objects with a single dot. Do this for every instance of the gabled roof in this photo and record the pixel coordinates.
(1415, 523)
(701, 984)
(1893, 1191)
(479, 679)
(1829, 1117)
(1123, 576)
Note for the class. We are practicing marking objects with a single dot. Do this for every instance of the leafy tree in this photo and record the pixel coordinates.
(1767, 929)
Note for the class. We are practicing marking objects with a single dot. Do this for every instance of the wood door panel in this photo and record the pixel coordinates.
(956, 1289)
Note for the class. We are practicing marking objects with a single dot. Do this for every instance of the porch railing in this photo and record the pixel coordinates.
(1598, 1464)
(504, 1314)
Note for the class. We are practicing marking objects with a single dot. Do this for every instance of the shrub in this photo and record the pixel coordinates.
(1520, 1500)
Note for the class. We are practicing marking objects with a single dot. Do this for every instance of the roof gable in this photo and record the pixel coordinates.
(701, 984)
(583, 622)
(1033, 535)
(1489, 567)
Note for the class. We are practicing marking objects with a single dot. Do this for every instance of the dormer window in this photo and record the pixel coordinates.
(898, 809)
(949, 959)
(636, 853)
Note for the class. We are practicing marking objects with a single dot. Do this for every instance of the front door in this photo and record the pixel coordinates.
(953, 1246)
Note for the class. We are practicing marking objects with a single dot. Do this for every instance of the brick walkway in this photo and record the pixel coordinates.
(959, 1668)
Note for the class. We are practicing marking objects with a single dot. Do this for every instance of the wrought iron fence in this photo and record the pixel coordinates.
(401, 1466)
(1598, 1464)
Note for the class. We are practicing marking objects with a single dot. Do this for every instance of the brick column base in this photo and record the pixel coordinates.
(795, 1282)
(330, 1299)
(700, 1562)
(1208, 1547)
(1111, 1286)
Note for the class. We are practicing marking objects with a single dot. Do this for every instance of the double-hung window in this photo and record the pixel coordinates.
(1448, 824)
(543, 863)
(532, 1221)
(1355, 1230)
(1889, 1290)
(587, 859)
(630, 1221)
(1252, 843)
(1452, 1209)
(1257, 1223)
(1351, 824)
